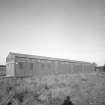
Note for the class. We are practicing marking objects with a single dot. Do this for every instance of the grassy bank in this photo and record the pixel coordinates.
(84, 89)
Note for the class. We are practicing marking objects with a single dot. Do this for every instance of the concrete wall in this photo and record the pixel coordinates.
(10, 65)
(10, 69)
(23, 67)
(46, 67)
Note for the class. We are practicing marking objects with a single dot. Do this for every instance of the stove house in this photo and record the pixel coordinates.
(24, 65)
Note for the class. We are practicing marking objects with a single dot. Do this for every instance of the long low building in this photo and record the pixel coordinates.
(2, 70)
(23, 65)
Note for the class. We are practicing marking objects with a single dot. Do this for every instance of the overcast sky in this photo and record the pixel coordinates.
(71, 29)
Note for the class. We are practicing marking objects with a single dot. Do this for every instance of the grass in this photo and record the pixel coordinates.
(84, 89)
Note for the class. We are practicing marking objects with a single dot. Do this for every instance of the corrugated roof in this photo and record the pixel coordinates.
(43, 57)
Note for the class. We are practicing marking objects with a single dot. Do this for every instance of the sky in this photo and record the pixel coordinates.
(69, 29)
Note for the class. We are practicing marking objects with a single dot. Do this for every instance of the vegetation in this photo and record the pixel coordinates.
(84, 89)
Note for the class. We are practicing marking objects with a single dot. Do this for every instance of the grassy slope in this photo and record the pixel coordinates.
(84, 89)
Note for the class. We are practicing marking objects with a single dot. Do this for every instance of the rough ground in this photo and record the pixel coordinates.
(84, 89)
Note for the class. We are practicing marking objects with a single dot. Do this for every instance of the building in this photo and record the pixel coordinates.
(100, 68)
(2, 70)
(23, 65)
